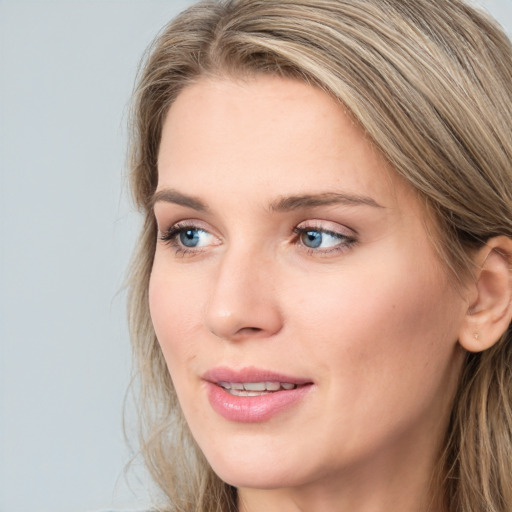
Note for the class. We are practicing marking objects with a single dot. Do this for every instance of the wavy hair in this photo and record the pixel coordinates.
(430, 82)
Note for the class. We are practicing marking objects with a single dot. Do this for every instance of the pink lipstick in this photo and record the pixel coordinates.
(252, 395)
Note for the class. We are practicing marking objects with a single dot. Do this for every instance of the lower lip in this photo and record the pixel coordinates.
(253, 409)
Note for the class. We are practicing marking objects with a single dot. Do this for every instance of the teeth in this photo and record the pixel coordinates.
(255, 388)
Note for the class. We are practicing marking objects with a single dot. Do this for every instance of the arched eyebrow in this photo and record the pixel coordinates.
(170, 195)
(283, 204)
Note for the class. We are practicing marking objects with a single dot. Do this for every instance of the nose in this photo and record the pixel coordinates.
(243, 301)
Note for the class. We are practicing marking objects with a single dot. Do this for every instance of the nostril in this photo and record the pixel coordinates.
(250, 329)
(248, 332)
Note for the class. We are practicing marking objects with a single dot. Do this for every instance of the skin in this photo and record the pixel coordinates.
(370, 316)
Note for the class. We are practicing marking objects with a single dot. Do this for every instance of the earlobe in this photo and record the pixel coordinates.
(490, 310)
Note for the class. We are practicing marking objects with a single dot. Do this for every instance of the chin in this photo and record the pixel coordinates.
(246, 470)
(257, 479)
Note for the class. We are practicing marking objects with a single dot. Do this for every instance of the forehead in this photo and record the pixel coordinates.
(280, 133)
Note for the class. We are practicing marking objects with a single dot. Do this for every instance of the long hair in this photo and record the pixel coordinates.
(430, 83)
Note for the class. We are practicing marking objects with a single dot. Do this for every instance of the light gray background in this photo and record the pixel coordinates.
(66, 233)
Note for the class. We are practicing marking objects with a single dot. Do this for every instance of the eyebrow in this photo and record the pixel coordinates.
(283, 204)
(328, 198)
(170, 195)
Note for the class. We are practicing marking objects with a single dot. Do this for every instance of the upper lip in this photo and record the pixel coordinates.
(250, 374)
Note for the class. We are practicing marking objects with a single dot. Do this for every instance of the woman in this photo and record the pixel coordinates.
(321, 299)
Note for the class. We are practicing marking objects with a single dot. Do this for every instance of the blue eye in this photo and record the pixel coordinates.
(316, 239)
(323, 241)
(312, 239)
(190, 237)
(184, 238)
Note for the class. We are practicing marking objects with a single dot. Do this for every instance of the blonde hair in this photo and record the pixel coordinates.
(430, 82)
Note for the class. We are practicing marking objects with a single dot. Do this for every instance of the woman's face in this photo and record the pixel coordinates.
(308, 327)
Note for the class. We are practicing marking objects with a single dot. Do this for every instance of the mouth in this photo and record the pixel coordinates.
(252, 395)
(252, 380)
(256, 388)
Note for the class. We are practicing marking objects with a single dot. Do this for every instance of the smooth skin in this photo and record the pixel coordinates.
(287, 243)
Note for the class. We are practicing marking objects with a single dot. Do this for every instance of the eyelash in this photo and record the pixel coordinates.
(345, 241)
(170, 237)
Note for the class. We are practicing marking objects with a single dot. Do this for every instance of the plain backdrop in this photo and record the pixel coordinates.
(66, 232)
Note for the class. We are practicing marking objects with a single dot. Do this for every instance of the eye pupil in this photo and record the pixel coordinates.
(189, 238)
(312, 239)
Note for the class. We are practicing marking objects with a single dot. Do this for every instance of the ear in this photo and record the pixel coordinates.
(490, 305)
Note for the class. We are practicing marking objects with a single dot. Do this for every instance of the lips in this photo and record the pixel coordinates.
(253, 395)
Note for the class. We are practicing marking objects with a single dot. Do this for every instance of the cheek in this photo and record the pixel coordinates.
(384, 345)
(175, 313)
(383, 318)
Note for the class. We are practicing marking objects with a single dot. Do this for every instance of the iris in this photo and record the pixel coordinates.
(312, 239)
(189, 237)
